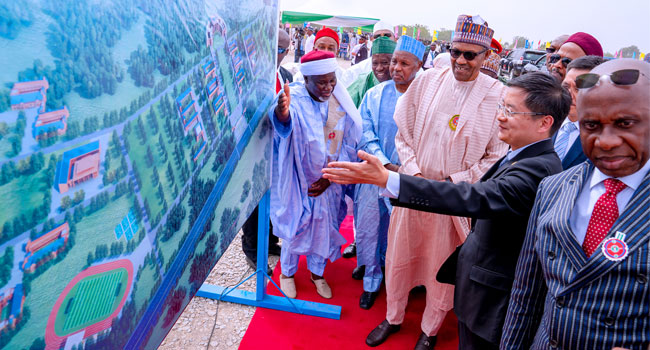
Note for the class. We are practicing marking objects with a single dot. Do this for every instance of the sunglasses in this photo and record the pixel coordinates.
(556, 57)
(387, 35)
(468, 55)
(620, 77)
(282, 50)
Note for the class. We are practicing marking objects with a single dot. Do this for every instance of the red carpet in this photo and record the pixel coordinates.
(271, 329)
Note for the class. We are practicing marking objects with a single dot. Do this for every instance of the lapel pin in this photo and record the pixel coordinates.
(615, 248)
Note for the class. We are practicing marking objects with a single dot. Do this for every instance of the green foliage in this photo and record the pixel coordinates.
(141, 67)
(630, 52)
(6, 263)
(5, 101)
(14, 16)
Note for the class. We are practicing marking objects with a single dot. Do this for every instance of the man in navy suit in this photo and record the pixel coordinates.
(483, 270)
(567, 140)
(582, 277)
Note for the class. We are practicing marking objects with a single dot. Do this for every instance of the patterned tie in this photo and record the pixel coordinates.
(562, 141)
(603, 217)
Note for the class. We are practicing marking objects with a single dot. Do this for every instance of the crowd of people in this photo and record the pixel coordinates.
(521, 205)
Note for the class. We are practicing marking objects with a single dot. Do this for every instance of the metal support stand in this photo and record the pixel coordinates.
(260, 298)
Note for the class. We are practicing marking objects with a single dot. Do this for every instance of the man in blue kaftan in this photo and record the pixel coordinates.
(315, 122)
(372, 211)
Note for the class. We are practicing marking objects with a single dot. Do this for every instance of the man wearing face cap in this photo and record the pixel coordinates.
(577, 45)
(314, 122)
(447, 130)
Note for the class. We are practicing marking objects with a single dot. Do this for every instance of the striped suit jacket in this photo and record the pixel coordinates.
(563, 300)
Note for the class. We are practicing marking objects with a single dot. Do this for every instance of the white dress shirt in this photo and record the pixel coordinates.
(572, 136)
(309, 45)
(392, 185)
(592, 189)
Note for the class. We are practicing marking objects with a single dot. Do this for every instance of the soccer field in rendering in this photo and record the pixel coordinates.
(92, 299)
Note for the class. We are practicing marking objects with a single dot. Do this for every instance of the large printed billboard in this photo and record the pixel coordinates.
(133, 145)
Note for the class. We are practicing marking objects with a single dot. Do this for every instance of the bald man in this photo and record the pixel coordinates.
(555, 45)
(582, 279)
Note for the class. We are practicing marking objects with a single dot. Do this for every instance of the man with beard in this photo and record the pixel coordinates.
(577, 45)
(567, 140)
(447, 130)
(551, 49)
(372, 212)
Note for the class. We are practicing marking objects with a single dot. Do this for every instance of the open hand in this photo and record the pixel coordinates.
(318, 187)
(369, 171)
(282, 109)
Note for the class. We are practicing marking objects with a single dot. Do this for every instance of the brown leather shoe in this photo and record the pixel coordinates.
(425, 342)
(381, 333)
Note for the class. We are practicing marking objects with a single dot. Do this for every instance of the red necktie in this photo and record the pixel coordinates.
(278, 85)
(603, 216)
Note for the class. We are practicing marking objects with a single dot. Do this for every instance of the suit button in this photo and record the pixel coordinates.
(643, 279)
(559, 301)
(553, 343)
(608, 321)
(551, 255)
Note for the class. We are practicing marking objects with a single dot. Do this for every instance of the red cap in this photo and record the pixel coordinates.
(327, 32)
(316, 56)
(587, 43)
(496, 45)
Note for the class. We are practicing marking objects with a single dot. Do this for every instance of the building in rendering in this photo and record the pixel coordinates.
(45, 247)
(187, 110)
(11, 307)
(78, 165)
(29, 94)
(52, 121)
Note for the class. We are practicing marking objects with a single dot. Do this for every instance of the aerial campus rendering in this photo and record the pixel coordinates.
(129, 158)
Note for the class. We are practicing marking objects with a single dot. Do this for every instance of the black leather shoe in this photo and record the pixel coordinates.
(381, 333)
(350, 251)
(253, 265)
(367, 299)
(358, 272)
(425, 342)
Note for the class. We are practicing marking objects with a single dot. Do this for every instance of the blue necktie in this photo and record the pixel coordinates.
(562, 141)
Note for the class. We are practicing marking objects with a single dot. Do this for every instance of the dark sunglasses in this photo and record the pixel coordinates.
(468, 55)
(550, 50)
(282, 50)
(387, 35)
(620, 77)
(556, 57)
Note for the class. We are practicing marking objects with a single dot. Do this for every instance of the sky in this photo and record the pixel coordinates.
(615, 23)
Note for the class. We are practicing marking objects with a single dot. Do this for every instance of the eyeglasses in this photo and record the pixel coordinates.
(556, 57)
(282, 50)
(501, 108)
(550, 50)
(387, 35)
(620, 77)
(468, 55)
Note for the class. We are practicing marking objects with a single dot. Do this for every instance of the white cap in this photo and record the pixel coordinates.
(382, 25)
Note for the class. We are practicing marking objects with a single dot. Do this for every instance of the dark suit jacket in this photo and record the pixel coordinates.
(574, 156)
(499, 206)
(563, 300)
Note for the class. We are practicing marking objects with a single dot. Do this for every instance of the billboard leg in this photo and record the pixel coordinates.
(260, 298)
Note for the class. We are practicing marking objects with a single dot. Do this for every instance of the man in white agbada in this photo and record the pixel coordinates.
(315, 122)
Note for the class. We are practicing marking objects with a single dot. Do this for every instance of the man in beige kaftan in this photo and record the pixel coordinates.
(447, 130)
